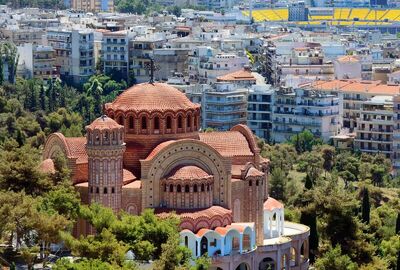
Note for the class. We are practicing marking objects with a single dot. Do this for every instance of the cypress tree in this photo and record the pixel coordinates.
(366, 207)
(310, 219)
(398, 224)
(308, 182)
(42, 98)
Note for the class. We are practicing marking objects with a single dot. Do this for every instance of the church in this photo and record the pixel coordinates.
(147, 151)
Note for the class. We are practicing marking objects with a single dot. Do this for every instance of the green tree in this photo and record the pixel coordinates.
(378, 175)
(328, 155)
(366, 207)
(310, 219)
(278, 184)
(304, 141)
(335, 260)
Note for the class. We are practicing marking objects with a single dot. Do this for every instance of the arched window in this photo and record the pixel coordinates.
(202, 187)
(97, 190)
(121, 120)
(208, 187)
(144, 122)
(186, 241)
(178, 188)
(169, 122)
(156, 122)
(112, 190)
(131, 123)
(195, 188)
(171, 188)
(179, 121)
(256, 182)
(188, 121)
(105, 190)
(187, 188)
(250, 183)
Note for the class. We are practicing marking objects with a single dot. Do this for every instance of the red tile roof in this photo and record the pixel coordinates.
(188, 173)
(194, 213)
(348, 58)
(103, 123)
(356, 86)
(76, 147)
(158, 148)
(228, 143)
(128, 177)
(240, 75)
(271, 204)
(254, 172)
(151, 97)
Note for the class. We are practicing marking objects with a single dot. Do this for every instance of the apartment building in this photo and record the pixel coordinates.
(224, 105)
(115, 53)
(141, 51)
(374, 131)
(301, 109)
(170, 61)
(396, 134)
(93, 5)
(73, 52)
(20, 36)
(37, 61)
(354, 93)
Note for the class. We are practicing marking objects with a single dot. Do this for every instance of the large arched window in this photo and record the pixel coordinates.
(187, 189)
(195, 188)
(179, 121)
(169, 122)
(156, 123)
(171, 188)
(178, 188)
(202, 187)
(131, 122)
(144, 122)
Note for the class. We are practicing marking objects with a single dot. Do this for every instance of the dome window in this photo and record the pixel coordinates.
(144, 122)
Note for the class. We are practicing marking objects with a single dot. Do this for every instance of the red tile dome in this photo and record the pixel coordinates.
(188, 173)
(103, 123)
(151, 97)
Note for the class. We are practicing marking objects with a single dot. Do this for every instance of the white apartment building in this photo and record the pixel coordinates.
(374, 132)
(74, 53)
(37, 61)
(305, 109)
(115, 53)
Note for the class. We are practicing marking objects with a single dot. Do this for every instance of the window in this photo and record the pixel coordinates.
(178, 188)
(91, 189)
(256, 182)
(105, 190)
(187, 188)
(112, 190)
(202, 187)
(97, 190)
(250, 183)
(121, 120)
(171, 188)
(144, 122)
(179, 121)
(195, 188)
(169, 122)
(156, 123)
(186, 241)
(131, 123)
(188, 120)
(208, 187)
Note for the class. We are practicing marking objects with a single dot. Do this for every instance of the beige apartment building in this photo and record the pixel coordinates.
(93, 5)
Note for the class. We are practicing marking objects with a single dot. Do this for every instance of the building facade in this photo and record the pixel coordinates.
(147, 152)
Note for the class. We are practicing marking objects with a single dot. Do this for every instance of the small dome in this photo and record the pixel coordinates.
(188, 173)
(271, 204)
(103, 123)
(151, 97)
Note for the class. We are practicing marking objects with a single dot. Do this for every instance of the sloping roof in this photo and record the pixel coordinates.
(188, 172)
(194, 213)
(104, 122)
(357, 86)
(271, 204)
(254, 172)
(76, 146)
(240, 75)
(227, 143)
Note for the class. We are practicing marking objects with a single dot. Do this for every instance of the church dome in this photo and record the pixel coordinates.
(151, 97)
(103, 123)
(188, 173)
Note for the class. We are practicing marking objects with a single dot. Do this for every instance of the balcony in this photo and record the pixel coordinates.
(297, 123)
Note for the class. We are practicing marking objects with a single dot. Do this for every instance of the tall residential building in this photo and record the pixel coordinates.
(20, 36)
(298, 12)
(396, 134)
(74, 53)
(375, 126)
(305, 109)
(224, 106)
(37, 61)
(115, 53)
(93, 5)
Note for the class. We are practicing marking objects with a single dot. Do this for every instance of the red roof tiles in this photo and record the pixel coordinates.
(195, 213)
(228, 143)
(76, 148)
(240, 75)
(271, 204)
(188, 173)
(151, 97)
(47, 166)
(103, 123)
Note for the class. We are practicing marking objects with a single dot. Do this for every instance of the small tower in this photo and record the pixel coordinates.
(105, 148)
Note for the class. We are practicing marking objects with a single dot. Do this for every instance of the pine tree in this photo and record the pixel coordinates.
(366, 207)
